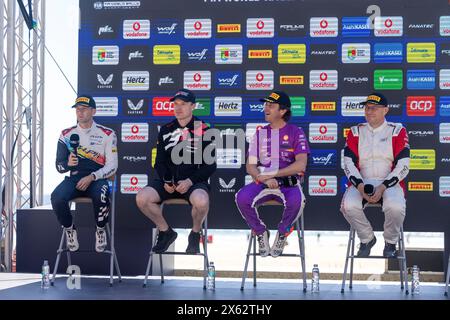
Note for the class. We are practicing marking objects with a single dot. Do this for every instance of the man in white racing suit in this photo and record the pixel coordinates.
(376, 161)
(88, 150)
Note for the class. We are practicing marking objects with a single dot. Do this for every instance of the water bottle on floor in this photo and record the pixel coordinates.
(211, 281)
(315, 279)
(415, 283)
(45, 280)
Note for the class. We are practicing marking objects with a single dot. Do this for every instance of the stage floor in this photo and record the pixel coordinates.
(27, 286)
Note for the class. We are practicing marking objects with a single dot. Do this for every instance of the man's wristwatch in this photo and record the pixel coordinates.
(93, 175)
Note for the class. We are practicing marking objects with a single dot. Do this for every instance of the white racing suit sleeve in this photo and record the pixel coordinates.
(351, 157)
(400, 146)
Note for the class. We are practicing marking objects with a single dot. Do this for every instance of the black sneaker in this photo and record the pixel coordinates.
(389, 250)
(165, 239)
(193, 243)
(364, 248)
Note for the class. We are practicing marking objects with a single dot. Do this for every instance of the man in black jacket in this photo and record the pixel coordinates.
(183, 173)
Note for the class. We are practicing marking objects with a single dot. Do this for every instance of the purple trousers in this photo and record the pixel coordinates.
(252, 195)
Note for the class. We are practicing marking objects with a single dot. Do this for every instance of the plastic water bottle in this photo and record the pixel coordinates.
(211, 282)
(45, 281)
(415, 283)
(315, 279)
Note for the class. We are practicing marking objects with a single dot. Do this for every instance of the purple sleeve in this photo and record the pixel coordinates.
(300, 142)
(253, 146)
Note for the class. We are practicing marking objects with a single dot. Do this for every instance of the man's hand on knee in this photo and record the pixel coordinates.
(169, 188)
(85, 182)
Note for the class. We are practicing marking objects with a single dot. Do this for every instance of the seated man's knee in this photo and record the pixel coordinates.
(145, 197)
(57, 198)
(200, 200)
(242, 198)
(394, 208)
(350, 208)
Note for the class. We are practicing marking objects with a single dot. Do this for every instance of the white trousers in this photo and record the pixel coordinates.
(394, 208)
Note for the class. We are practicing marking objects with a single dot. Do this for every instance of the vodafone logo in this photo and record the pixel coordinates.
(324, 24)
(424, 106)
(198, 25)
(260, 24)
(323, 76)
(136, 26)
(162, 107)
(388, 23)
(259, 77)
(197, 77)
(132, 183)
(136, 29)
(323, 133)
(134, 132)
(323, 182)
(323, 129)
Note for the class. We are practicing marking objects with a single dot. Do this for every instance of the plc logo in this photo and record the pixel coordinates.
(162, 107)
(424, 106)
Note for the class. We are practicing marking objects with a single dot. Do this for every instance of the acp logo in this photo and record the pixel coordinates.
(162, 107)
(424, 106)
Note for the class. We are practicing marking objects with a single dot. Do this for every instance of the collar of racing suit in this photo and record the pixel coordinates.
(380, 128)
(87, 129)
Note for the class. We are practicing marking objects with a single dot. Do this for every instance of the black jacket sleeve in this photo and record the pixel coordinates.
(161, 160)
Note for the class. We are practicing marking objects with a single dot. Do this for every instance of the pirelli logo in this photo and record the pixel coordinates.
(260, 54)
(275, 96)
(82, 99)
(420, 186)
(346, 131)
(291, 80)
(228, 28)
(374, 98)
(323, 106)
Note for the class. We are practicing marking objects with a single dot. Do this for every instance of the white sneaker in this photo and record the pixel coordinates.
(278, 245)
(100, 239)
(263, 241)
(72, 238)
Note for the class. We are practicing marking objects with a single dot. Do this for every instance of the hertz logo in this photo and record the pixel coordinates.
(228, 28)
(293, 80)
(420, 186)
(259, 54)
(323, 106)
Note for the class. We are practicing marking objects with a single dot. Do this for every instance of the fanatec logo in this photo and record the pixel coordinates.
(323, 52)
(105, 29)
(165, 80)
(167, 30)
(135, 55)
(421, 26)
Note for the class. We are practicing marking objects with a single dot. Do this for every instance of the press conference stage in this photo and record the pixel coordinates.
(187, 288)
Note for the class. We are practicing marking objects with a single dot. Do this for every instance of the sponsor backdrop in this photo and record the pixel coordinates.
(328, 55)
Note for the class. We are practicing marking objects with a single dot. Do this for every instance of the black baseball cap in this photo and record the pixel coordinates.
(377, 99)
(279, 97)
(85, 100)
(185, 95)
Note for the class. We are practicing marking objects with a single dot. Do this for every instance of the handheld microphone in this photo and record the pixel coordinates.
(369, 189)
(75, 143)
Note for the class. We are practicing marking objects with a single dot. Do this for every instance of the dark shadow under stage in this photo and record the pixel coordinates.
(226, 289)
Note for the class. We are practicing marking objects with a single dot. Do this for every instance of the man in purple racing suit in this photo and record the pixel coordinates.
(277, 157)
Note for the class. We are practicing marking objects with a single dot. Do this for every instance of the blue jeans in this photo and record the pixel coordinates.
(98, 191)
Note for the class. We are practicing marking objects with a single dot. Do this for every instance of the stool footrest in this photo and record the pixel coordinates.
(376, 257)
(179, 253)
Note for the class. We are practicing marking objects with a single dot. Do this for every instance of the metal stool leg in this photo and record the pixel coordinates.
(205, 251)
(347, 257)
(352, 259)
(405, 271)
(301, 244)
(58, 256)
(447, 280)
(150, 258)
(254, 260)
(161, 268)
(244, 274)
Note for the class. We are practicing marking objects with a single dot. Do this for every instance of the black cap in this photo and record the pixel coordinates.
(85, 100)
(279, 97)
(377, 99)
(185, 95)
